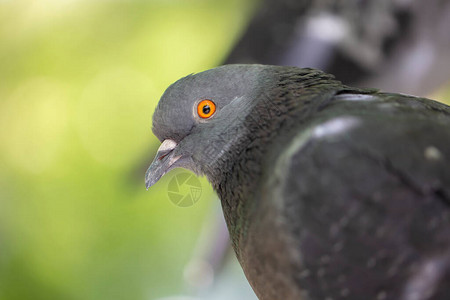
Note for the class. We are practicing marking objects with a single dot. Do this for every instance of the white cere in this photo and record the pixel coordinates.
(167, 145)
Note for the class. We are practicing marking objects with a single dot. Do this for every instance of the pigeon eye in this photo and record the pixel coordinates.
(206, 108)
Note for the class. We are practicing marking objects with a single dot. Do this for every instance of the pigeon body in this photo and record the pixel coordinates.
(328, 191)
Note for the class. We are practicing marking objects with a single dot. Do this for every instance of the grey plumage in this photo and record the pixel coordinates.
(329, 192)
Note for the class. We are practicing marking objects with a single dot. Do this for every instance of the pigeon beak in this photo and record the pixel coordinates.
(162, 162)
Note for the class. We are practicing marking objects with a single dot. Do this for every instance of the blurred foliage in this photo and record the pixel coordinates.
(79, 82)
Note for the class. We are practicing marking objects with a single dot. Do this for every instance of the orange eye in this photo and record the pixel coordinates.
(206, 108)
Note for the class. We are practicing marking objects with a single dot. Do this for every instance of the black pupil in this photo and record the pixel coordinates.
(206, 109)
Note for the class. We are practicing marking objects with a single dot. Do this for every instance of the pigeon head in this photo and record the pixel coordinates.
(199, 117)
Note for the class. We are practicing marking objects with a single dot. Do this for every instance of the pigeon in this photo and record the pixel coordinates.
(328, 191)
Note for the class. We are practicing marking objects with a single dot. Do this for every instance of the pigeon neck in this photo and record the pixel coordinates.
(291, 101)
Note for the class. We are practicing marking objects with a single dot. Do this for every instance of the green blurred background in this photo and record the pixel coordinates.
(79, 81)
